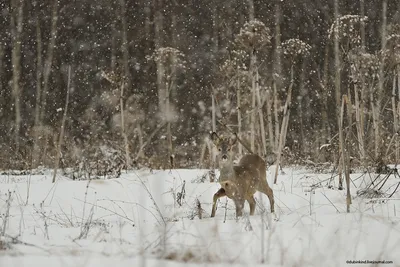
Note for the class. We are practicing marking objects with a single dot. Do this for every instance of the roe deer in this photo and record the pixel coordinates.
(240, 182)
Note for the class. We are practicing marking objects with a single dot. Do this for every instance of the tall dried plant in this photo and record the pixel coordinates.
(294, 50)
(253, 36)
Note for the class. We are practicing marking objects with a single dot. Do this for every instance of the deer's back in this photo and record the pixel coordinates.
(250, 172)
(253, 161)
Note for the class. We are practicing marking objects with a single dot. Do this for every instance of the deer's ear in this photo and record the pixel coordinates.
(214, 137)
(233, 139)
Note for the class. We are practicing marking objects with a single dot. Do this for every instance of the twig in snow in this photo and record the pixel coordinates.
(395, 190)
(181, 195)
(154, 202)
(330, 202)
(6, 215)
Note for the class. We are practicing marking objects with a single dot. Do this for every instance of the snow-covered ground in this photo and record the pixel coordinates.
(136, 220)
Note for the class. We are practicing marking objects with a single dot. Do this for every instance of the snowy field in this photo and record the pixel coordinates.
(153, 218)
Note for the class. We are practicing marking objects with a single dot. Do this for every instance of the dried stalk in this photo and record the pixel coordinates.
(276, 117)
(253, 60)
(261, 117)
(64, 118)
(285, 123)
(239, 115)
(269, 120)
(123, 131)
(345, 153)
(395, 118)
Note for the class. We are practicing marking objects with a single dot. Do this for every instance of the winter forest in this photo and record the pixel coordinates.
(210, 132)
(146, 81)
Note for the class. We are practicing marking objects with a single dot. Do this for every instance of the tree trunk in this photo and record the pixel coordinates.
(338, 93)
(113, 44)
(1, 77)
(125, 45)
(215, 33)
(362, 28)
(16, 31)
(239, 115)
(326, 129)
(253, 60)
(158, 43)
(36, 155)
(123, 130)
(261, 117)
(277, 71)
(250, 4)
(381, 79)
(276, 117)
(300, 107)
(395, 117)
(345, 146)
(398, 115)
(49, 60)
(125, 79)
(269, 101)
(359, 125)
(359, 95)
(213, 157)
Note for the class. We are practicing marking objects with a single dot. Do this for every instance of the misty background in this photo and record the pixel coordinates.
(144, 78)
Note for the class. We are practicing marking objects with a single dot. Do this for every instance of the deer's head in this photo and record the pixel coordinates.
(224, 144)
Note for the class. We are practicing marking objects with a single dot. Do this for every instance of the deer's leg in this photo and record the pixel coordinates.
(220, 193)
(270, 194)
(239, 203)
(252, 204)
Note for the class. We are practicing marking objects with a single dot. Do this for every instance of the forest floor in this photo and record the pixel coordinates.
(152, 218)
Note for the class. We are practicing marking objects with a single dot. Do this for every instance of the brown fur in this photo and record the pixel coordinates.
(240, 182)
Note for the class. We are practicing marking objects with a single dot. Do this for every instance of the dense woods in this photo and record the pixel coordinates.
(147, 80)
